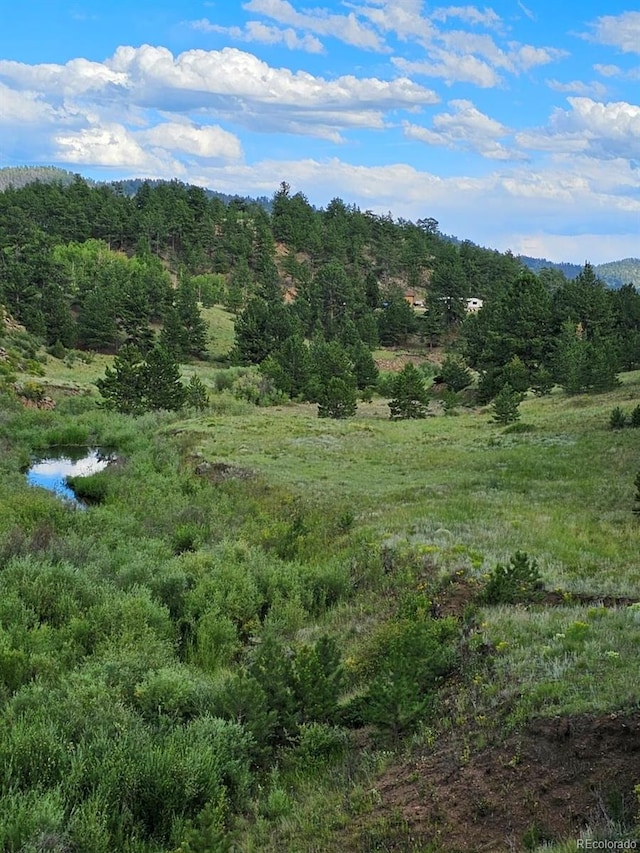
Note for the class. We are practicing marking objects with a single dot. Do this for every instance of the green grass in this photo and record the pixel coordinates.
(562, 492)
(447, 496)
(221, 331)
(565, 660)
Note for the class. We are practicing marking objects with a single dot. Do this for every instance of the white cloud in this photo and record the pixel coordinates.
(527, 11)
(25, 108)
(599, 130)
(467, 128)
(452, 68)
(403, 18)
(612, 130)
(608, 70)
(525, 57)
(209, 143)
(77, 77)
(469, 14)
(574, 248)
(231, 79)
(254, 31)
(621, 31)
(579, 87)
(616, 71)
(345, 28)
(229, 84)
(112, 145)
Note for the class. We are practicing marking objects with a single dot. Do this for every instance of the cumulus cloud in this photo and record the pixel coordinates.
(232, 79)
(229, 84)
(77, 77)
(112, 145)
(599, 130)
(621, 31)
(467, 128)
(25, 108)
(608, 130)
(208, 143)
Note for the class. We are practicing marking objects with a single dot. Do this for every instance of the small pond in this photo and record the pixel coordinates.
(51, 469)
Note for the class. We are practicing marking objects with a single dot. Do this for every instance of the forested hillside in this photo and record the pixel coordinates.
(92, 268)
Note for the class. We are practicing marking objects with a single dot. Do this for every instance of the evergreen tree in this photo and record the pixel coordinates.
(261, 329)
(289, 367)
(409, 395)
(161, 377)
(123, 386)
(365, 369)
(584, 365)
(195, 328)
(173, 336)
(506, 405)
(455, 374)
(332, 384)
(338, 399)
(196, 394)
(97, 328)
(397, 320)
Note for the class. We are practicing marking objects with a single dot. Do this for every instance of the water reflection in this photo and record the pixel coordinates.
(51, 471)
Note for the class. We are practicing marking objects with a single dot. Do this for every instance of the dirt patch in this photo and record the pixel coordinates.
(557, 598)
(219, 472)
(398, 361)
(550, 781)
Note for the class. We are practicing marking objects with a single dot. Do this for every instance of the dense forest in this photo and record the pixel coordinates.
(93, 268)
(254, 614)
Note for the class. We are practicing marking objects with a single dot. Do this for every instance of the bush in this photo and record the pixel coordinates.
(617, 418)
(417, 656)
(517, 582)
(634, 420)
(92, 489)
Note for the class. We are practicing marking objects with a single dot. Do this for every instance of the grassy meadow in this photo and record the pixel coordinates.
(128, 622)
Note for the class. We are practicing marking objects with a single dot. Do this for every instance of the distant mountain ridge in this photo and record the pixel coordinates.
(614, 273)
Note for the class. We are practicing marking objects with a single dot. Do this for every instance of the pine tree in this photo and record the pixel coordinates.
(338, 399)
(197, 397)
(332, 384)
(123, 386)
(409, 395)
(506, 405)
(162, 386)
(195, 328)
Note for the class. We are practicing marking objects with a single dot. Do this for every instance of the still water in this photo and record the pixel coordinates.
(51, 470)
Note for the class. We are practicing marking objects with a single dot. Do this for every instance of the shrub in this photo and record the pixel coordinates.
(634, 420)
(417, 657)
(92, 489)
(518, 581)
(617, 418)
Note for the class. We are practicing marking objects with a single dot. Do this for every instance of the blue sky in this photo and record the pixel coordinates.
(515, 125)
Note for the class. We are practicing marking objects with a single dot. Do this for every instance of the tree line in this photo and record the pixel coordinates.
(313, 291)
